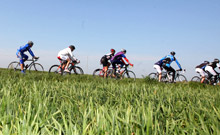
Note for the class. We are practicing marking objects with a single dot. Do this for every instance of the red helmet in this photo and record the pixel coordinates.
(112, 50)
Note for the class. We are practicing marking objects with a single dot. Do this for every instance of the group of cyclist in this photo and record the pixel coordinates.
(65, 56)
(202, 69)
(209, 68)
(113, 59)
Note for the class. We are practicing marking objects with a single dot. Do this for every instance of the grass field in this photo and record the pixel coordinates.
(39, 103)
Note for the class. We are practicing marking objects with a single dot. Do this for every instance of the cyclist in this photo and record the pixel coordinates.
(211, 70)
(117, 59)
(66, 56)
(168, 60)
(201, 70)
(23, 57)
(104, 61)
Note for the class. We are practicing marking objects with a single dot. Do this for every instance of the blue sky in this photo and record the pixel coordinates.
(147, 29)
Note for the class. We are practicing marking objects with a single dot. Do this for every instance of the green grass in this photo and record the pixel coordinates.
(39, 103)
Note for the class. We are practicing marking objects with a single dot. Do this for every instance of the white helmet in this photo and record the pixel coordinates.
(123, 50)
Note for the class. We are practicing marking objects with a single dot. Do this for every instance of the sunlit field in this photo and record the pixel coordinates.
(40, 103)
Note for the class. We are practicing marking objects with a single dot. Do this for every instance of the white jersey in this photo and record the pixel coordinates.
(66, 53)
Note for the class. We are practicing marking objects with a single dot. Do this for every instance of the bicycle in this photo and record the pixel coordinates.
(167, 76)
(33, 66)
(59, 69)
(125, 73)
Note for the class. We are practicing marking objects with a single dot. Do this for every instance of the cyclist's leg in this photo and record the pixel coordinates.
(170, 69)
(22, 58)
(65, 62)
(202, 73)
(105, 66)
(19, 55)
(174, 73)
(68, 63)
(119, 62)
(159, 70)
(211, 73)
(215, 76)
(114, 62)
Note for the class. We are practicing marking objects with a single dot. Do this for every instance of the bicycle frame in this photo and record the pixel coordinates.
(71, 66)
(32, 62)
(169, 76)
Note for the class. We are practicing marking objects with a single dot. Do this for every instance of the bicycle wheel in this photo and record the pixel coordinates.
(98, 73)
(153, 76)
(56, 69)
(196, 79)
(36, 67)
(181, 78)
(76, 70)
(129, 74)
(14, 66)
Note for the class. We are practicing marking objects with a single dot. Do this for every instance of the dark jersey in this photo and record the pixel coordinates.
(202, 66)
(108, 56)
(162, 62)
(214, 65)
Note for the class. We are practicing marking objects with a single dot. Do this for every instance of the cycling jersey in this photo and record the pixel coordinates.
(117, 59)
(160, 63)
(66, 53)
(118, 56)
(105, 58)
(25, 48)
(202, 66)
(108, 56)
(214, 65)
(169, 59)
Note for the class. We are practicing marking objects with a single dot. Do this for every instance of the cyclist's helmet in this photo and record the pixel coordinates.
(30, 43)
(216, 60)
(206, 62)
(112, 50)
(123, 50)
(172, 53)
(72, 47)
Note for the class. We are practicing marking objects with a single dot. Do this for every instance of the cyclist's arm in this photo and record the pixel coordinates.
(218, 65)
(128, 61)
(71, 57)
(31, 53)
(178, 64)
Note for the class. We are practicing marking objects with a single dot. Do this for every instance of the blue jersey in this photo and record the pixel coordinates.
(170, 59)
(25, 48)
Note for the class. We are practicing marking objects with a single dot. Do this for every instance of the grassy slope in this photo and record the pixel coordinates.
(39, 103)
